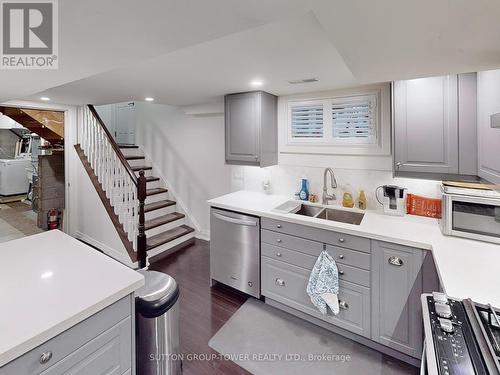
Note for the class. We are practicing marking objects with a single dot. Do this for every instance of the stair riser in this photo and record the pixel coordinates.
(138, 162)
(162, 211)
(132, 152)
(154, 184)
(156, 198)
(164, 227)
(169, 245)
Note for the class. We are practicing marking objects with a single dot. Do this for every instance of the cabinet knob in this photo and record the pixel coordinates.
(341, 239)
(395, 261)
(280, 282)
(256, 157)
(398, 164)
(341, 272)
(45, 357)
(250, 284)
(278, 240)
(278, 254)
(341, 256)
(343, 305)
(278, 226)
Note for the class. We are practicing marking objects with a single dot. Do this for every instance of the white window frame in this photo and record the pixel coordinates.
(380, 144)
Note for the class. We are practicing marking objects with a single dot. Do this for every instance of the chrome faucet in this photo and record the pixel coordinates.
(328, 197)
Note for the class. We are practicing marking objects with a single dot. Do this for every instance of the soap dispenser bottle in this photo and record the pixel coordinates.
(304, 191)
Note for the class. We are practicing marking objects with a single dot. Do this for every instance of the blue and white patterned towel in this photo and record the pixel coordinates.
(323, 285)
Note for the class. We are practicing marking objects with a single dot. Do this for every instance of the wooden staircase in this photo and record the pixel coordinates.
(137, 202)
(164, 226)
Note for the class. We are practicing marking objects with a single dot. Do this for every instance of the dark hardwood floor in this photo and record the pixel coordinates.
(203, 310)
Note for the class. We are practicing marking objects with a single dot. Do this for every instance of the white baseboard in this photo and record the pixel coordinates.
(203, 235)
(122, 258)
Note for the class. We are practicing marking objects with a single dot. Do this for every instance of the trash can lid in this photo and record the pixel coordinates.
(158, 294)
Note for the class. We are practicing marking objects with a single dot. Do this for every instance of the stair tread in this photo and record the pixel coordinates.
(134, 157)
(168, 236)
(136, 168)
(127, 146)
(161, 220)
(155, 191)
(152, 179)
(157, 205)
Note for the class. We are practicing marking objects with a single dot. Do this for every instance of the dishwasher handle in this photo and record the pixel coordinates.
(235, 221)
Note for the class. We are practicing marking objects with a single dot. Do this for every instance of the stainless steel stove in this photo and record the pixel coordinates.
(461, 337)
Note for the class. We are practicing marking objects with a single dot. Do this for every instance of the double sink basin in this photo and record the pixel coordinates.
(320, 212)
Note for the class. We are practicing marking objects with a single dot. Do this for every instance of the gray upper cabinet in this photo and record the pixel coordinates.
(426, 125)
(435, 125)
(396, 289)
(251, 128)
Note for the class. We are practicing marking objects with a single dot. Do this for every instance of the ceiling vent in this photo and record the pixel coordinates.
(305, 80)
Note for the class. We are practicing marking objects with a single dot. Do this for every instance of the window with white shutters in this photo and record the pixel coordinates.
(307, 121)
(335, 121)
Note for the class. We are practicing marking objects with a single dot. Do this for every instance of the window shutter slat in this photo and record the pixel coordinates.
(307, 121)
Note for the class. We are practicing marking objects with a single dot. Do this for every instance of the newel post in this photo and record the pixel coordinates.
(141, 237)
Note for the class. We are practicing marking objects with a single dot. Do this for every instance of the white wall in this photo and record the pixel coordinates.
(488, 103)
(189, 151)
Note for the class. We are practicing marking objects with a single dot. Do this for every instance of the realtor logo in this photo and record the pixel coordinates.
(29, 34)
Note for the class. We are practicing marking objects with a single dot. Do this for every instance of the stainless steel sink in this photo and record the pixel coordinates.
(307, 210)
(319, 212)
(348, 217)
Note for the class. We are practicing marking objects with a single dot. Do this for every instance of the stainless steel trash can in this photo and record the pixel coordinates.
(157, 325)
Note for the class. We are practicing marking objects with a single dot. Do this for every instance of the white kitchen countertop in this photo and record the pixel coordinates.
(467, 268)
(48, 283)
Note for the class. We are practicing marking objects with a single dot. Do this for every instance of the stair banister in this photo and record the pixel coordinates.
(125, 191)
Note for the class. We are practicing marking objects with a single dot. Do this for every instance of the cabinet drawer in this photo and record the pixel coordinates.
(319, 235)
(346, 272)
(287, 284)
(349, 257)
(291, 242)
(71, 340)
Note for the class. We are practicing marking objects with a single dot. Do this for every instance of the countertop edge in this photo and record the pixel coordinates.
(64, 325)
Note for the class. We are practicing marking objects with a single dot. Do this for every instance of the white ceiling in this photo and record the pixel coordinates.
(194, 51)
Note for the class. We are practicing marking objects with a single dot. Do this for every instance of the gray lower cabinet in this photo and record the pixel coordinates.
(101, 344)
(396, 289)
(251, 128)
(380, 283)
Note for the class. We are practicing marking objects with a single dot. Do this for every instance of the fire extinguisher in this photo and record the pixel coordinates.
(53, 219)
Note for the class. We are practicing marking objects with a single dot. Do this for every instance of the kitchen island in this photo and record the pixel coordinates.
(63, 301)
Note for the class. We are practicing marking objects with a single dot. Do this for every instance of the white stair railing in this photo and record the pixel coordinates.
(117, 179)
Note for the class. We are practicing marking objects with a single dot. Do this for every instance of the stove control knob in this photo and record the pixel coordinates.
(442, 310)
(446, 325)
(439, 297)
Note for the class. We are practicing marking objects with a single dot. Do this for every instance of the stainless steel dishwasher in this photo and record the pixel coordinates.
(235, 250)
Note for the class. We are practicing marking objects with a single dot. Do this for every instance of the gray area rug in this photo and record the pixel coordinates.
(264, 340)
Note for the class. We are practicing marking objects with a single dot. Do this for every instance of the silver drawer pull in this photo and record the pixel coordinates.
(278, 240)
(395, 261)
(278, 254)
(341, 272)
(280, 282)
(343, 305)
(45, 357)
(341, 240)
(278, 226)
(341, 256)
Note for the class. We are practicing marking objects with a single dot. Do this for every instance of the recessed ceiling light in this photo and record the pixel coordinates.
(149, 99)
(256, 83)
(45, 98)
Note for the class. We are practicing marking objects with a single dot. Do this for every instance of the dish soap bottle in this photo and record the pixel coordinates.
(347, 200)
(304, 192)
(362, 200)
